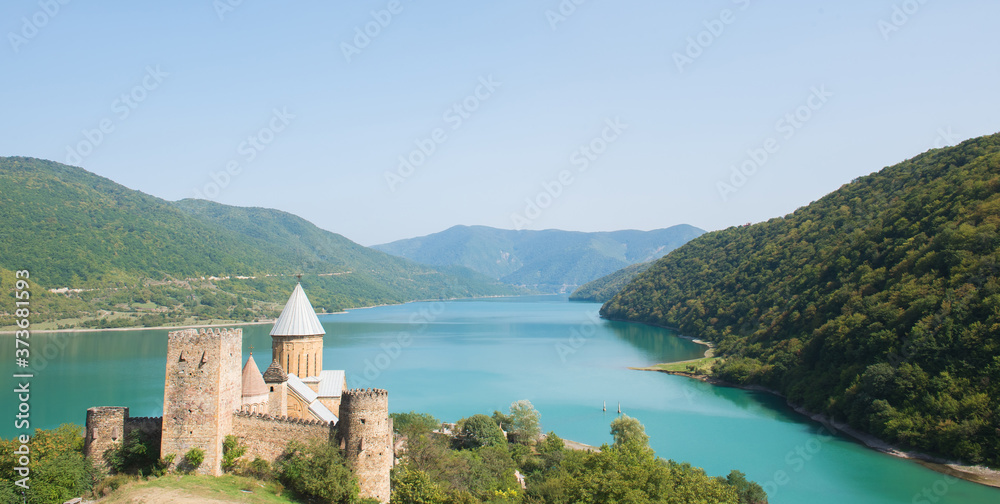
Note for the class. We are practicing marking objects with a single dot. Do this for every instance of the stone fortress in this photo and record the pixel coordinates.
(207, 397)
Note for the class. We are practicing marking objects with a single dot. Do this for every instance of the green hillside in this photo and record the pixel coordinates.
(878, 304)
(133, 253)
(549, 260)
(605, 288)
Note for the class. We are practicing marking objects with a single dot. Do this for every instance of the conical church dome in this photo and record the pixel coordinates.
(298, 318)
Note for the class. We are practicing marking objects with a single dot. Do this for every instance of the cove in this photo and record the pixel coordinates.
(457, 358)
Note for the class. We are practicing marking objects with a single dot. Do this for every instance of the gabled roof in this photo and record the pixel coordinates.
(310, 398)
(320, 410)
(298, 318)
(331, 383)
(253, 382)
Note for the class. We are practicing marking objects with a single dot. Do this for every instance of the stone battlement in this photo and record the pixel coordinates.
(205, 333)
(280, 419)
(367, 393)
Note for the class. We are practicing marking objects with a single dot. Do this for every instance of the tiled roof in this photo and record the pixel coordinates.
(253, 382)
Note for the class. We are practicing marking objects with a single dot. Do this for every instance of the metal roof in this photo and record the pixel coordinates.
(298, 318)
(319, 409)
(301, 389)
(306, 394)
(253, 382)
(331, 383)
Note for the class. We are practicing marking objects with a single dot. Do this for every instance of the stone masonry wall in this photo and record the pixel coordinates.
(365, 433)
(105, 428)
(267, 436)
(201, 392)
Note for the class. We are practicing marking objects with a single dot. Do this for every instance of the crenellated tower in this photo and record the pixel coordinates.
(365, 434)
(201, 393)
(297, 337)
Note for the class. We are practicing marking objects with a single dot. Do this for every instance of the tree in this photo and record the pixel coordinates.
(524, 426)
(477, 431)
(413, 424)
(410, 486)
(627, 429)
(749, 491)
(59, 471)
(317, 471)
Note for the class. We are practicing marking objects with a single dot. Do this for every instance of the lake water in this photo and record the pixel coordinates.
(457, 358)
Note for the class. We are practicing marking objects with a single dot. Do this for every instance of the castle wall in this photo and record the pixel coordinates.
(267, 436)
(365, 433)
(105, 428)
(201, 392)
(149, 425)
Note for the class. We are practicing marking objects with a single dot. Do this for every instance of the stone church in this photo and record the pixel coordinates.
(208, 395)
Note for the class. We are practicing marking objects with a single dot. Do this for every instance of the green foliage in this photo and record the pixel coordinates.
(605, 288)
(627, 473)
(544, 260)
(193, 459)
(232, 450)
(138, 454)
(415, 487)
(413, 424)
(317, 471)
(626, 429)
(477, 431)
(523, 426)
(879, 304)
(137, 254)
(59, 471)
(749, 491)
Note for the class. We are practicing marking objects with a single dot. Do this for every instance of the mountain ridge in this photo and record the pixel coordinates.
(548, 260)
(72, 228)
(878, 304)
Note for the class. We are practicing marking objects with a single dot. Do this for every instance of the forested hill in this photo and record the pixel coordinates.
(550, 260)
(605, 288)
(72, 228)
(878, 304)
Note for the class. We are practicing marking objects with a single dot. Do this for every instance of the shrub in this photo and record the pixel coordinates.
(193, 459)
(317, 471)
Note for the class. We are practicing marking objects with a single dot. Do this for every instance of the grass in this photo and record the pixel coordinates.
(191, 488)
(703, 365)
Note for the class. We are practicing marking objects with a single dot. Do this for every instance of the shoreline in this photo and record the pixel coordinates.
(236, 324)
(974, 474)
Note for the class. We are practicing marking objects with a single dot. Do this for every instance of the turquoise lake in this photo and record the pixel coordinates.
(457, 358)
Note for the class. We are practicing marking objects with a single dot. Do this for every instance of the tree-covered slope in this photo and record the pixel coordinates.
(605, 288)
(72, 228)
(548, 260)
(878, 304)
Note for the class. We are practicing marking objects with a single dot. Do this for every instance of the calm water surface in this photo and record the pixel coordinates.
(458, 358)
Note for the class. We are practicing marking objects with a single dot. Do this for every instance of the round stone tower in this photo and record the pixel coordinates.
(297, 337)
(365, 433)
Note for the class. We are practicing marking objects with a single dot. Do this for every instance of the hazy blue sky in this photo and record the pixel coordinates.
(181, 87)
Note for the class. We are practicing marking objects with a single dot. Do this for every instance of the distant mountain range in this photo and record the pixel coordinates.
(72, 228)
(547, 261)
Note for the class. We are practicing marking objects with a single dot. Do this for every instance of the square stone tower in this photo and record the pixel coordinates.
(201, 392)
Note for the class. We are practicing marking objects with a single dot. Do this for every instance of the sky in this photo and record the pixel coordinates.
(389, 119)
